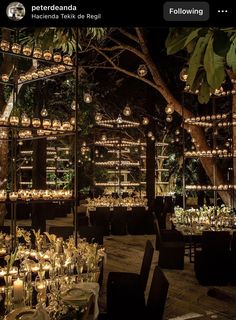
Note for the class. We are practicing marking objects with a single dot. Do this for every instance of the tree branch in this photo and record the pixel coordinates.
(129, 73)
(129, 35)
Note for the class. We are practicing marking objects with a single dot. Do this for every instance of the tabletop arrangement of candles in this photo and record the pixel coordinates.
(204, 218)
(109, 201)
(29, 276)
(32, 194)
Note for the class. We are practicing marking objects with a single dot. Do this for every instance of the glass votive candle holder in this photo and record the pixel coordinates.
(16, 48)
(47, 71)
(61, 68)
(47, 123)
(66, 58)
(57, 57)
(47, 55)
(41, 73)
(29, 76)
(3, 121)
(5, 77)
(14, 120)
(25, 121)
(22, 77)
(72, 121)
(66, 125)
(36, 122)
(34, 75)
(40, 132)
(28, 134)
(54, 69)
(37, 53)
(27, 50)
(87, 98)
(22, 134)
(56, 124)
(5, 45)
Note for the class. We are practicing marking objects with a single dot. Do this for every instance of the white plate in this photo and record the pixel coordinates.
(21, 314)
(75, 294)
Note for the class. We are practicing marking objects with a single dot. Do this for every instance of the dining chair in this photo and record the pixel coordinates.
(125, 290)
(101, 218)
(119, 221)
(212, 262)
(157, 296)
(171, 247)
(233, 260)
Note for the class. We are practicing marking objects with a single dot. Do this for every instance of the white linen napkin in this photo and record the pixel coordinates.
(94, 288)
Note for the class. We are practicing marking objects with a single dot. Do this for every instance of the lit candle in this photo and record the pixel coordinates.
(18, 290)
(2, 251)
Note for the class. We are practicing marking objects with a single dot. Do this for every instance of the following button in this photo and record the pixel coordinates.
(186, 11)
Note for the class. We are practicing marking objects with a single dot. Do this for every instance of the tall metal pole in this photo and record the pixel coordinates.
(76, 138)
(184, 160)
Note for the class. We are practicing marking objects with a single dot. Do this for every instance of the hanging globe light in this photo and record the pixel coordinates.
(73, 105)
(150, 134)
(88, 98)
(169, 109)
(177, 132)
(44, 112)
(145, 121)
(104, 137)
(142, 70)
(119, 119)
(98, 117)
(184, 74)
(169, 118)
(127, 111)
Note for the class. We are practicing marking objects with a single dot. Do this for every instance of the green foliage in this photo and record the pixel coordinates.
(63, 39)
(210, 51)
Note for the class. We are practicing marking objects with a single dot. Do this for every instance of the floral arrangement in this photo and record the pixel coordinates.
(204, 215)
(21, 232)
(10, 259)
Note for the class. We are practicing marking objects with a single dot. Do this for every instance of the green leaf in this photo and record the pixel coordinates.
(195, 61)
(221, 43)
(176, 39)
(204, 92)
(201, 74)
(231, 55)
(214, 66)
(192, 35)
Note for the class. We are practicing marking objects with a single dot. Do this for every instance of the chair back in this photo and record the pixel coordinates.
(233, 243)
(91, 233)
(216, 242)
(157, 232)
(146, 263)
(157, 295)
(62, 231)
(102, 217)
